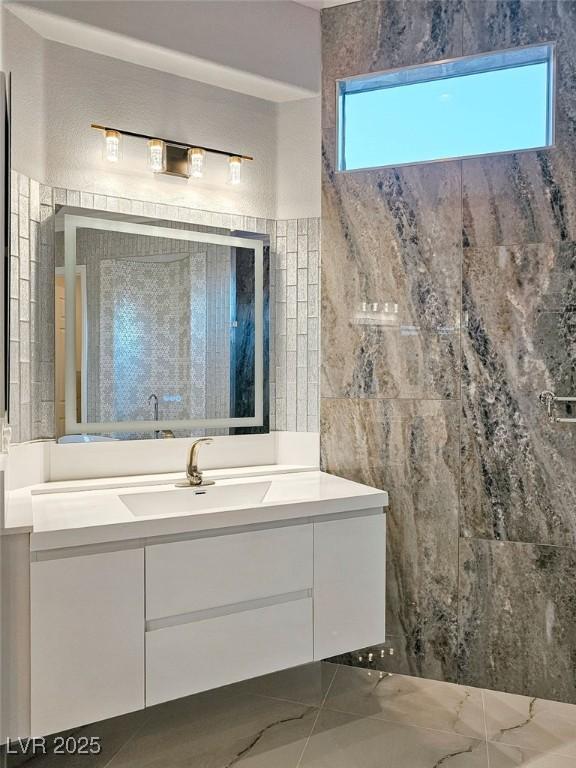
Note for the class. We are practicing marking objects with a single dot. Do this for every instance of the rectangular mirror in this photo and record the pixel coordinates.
(160, 329)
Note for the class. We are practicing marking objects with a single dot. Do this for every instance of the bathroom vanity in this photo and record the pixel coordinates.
(142, 592)
(128, 590)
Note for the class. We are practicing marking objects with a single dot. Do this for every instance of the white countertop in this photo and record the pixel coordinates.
(92, 512)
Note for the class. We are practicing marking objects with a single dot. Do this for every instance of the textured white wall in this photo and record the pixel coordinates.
(83, 87)
(59, 90)
(23, 56)
(299, 158)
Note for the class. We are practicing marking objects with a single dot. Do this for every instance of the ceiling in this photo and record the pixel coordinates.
(241, 46)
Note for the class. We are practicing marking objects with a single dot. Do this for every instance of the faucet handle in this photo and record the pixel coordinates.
(207, 440)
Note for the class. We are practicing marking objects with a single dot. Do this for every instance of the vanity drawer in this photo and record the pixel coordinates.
(201, 655)
(188, 576)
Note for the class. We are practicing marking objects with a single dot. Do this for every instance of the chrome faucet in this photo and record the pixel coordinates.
(193, 474)
(154, 399)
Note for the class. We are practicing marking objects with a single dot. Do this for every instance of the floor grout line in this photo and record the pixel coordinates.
(485, 728)
(533, 750)
(145, 722)
(305, 747)
(329, 687)
(284, 699)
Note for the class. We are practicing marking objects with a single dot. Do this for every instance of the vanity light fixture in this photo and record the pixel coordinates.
(112, 141)
(196, 160)
(156, 155)
(174, 158)
(235, 170)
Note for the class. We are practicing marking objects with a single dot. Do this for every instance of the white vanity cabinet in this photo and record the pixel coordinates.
(175, 617)
(236, 606)
(349, 584)
(87, 639)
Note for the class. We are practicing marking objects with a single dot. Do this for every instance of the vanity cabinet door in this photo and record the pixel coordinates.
(87, 635)
(349, 584)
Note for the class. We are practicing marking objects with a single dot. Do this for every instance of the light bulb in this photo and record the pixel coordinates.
(112, 145)
(234, 170)
(196, 159)
(156, 155)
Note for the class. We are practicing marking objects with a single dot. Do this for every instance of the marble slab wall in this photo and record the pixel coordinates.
(294, 301)
(441, 409)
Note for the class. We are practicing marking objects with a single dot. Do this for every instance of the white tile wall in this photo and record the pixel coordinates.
(294, 303)
(31, 343)
(294, 367)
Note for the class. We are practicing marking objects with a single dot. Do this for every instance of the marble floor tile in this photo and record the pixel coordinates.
(214, 730)
(408, 701)
(535, 724)
(366, 721)
(112, 734)
(307, 684)
(504, 756)
(350, 741)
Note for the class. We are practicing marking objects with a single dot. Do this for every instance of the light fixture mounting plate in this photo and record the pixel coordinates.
(176, 161)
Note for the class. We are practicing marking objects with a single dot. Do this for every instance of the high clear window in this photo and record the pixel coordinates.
(478, 105)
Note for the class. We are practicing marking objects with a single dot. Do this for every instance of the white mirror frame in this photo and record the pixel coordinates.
(71, 224)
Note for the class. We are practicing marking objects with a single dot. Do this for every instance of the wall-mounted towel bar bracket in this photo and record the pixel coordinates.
(550, 399)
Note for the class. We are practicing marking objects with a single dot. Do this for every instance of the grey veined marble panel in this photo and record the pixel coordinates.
(397, 235)
(494, 25)
(392, 237)
(527, 197)
(520, 198)
(359, 38)
(497, 24)
(376, 35)
(519, 338)
(518, 618)
(410, 448)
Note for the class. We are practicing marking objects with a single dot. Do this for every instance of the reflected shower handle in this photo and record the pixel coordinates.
(549, 399)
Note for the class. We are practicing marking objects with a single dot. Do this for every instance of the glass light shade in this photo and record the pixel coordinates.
(156, 155)
(196, 161)
(112, 141)
(235, 170)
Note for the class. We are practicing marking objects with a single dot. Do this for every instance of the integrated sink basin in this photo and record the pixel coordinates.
(81, 515)
(195, 499)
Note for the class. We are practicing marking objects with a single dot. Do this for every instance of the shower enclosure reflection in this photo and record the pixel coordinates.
(160, 331)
